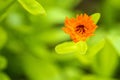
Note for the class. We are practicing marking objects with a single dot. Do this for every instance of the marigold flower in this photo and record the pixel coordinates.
(79, 28)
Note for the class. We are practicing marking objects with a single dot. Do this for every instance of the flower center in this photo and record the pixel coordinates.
(80, 29)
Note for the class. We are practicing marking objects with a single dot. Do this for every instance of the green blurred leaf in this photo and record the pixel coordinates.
(115, 3)
(3, 37)
(32, 6)
(3, 63)
(93, 50)
(81, 47)
(83, 59)
(5, 5)
(95, 17)
(114, 36)
(57, 36)
(37, 69)
(94, 77)
(4, 76)
(106, 61)
(89, 77)
(70, 47)
(72, 73)
(57, 15)
(66, 47)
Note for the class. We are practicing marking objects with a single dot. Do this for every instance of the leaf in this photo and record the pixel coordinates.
(66, 47)
(5, 8)
(32, 6)
(81, 47)
(114, 36)
(57, 36)
(35, 71)
(3, 37)
(95, 17)
(70, 47)
(54, 12)
(115, 40)
(3, 76)
(94, 77)
(115, 3)
(3, 63)
(92, 51)
(106, 61)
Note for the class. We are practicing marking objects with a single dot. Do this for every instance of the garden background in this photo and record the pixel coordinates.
(30, 31)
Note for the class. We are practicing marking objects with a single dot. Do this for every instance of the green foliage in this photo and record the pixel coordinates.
(27, 42)
(107, 56)
(5, 6)
(93, 50)
(95, 17)
(4, 76)
(46, 69)
(32, 6)
(114, 38)
(71, 47)
(81, 47)
(66, 47)
(3, 37)
(115, 3)
(3, 63)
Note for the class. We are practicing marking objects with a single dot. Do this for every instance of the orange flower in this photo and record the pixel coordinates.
(80, 28)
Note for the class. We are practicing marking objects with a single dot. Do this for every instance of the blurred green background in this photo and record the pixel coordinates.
(27, 41)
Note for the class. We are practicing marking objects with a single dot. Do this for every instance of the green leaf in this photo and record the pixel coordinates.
(70, 47)
(106, 61)
(81, 47)
(115, 40)
(35, 71)
(5, 6)
(32, 6)
(3, 63)
(3, 37)
(3, 76)
(115, 3)
(94, 77)
(95, 17)
(66, 47)
(93, 50)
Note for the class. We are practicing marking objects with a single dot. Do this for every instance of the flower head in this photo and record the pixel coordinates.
(80, 28)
